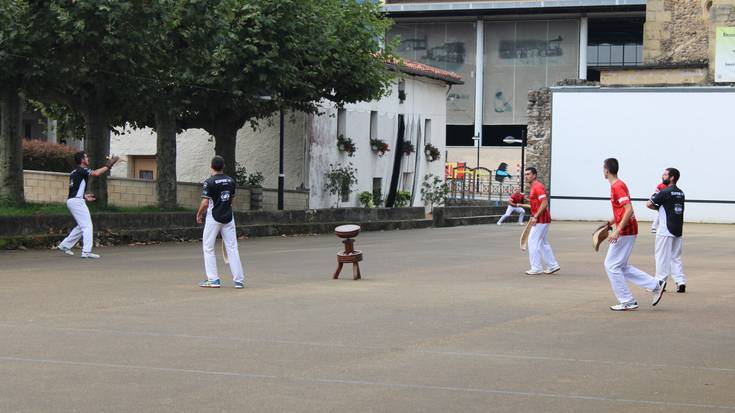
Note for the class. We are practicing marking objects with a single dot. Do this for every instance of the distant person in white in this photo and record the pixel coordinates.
(514, 205)
(669, 202)
(78, 207)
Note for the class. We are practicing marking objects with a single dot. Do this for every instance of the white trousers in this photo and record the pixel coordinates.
(619, 271)
(539, 249)
(654, 224)
(668, 259)
(521, 213)
(229, 237)
(83, 230)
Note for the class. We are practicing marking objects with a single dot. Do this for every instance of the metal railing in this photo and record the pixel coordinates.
(479, 184)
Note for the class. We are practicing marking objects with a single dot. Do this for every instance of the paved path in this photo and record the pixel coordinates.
(443, 322)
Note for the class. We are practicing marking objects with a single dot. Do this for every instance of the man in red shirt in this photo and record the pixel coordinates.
(539, 249)
(654, 224)
(622, 241)
(514, 205)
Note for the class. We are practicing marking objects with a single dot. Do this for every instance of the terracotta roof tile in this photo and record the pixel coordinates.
(419, 69)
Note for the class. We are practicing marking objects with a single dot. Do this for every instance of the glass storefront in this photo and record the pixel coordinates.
(449, 46)
(521, 56)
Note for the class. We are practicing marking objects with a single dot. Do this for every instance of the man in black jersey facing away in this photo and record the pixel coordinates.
(669, 202)
(217, 194)
(78, 207)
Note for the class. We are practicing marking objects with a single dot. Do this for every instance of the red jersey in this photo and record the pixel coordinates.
(538, 195)
(660, 186)
(517, 198)
(620, 196)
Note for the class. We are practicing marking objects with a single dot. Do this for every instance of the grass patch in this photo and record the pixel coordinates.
(33, 208)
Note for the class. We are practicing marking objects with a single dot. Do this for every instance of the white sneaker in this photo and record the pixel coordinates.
(521, 223)
(90, 255)
(532, 272)
(653, 230)
(658, 292)
(65, 250)
(500, 223)
(630, 306)
(552, 270)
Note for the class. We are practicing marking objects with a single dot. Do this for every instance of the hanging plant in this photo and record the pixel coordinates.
(380, 146)
(432, 152)
(346, 145)
(408, 148)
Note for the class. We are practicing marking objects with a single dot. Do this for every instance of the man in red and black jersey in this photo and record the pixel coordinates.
(622, 241)
(540, 253)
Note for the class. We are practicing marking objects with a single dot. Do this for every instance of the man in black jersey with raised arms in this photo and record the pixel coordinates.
(217, 194)
(77, 205)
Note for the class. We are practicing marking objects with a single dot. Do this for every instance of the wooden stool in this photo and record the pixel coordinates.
(350, 255)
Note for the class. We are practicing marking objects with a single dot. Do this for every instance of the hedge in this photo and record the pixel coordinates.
(46, 156)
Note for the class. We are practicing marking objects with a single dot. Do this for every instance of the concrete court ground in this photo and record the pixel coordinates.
(444, 321)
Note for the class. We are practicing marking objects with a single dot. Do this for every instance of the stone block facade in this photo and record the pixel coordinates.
(54, 187)
(680, 32)
(538, 138)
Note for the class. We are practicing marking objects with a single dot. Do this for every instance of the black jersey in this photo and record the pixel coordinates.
(670, 203)
(220, 189)
(78, 181)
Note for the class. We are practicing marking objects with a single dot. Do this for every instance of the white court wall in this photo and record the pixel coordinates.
(647, 130)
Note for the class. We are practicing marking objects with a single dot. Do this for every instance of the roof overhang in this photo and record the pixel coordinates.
(510, 7)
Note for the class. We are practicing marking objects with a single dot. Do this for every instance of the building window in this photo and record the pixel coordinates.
(615, 42)
(378, 191)
(427, 131)
(460, 135)
(341, 122)
(142, 167)
(407, 181)
(373, 124)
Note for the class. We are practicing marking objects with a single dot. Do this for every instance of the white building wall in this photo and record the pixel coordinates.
(257, 150)
(425, 99)
(311, 144)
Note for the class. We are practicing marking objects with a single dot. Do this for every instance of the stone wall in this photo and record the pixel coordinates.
(54, 187)
(683, 31)
(689, 74)
(538, 146)
(676, 31)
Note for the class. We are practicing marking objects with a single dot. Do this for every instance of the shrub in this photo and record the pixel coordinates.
(243, 178)
(402, 199)
(340, 180)
(366, 199)
(46, 156)
(434, 190)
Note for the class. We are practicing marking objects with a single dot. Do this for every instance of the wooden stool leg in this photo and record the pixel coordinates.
(339, 268)
(356, 271)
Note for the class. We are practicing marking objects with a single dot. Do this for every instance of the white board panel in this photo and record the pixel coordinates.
(647, 130)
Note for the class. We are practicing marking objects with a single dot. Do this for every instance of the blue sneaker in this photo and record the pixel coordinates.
(209, 284)
(239, 285)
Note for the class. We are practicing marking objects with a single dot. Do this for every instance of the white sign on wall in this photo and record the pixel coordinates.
(725, 54)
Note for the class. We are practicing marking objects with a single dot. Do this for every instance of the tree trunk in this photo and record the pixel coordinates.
(97, 146)
(11, 146)
(225, 143)
(166, 158)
